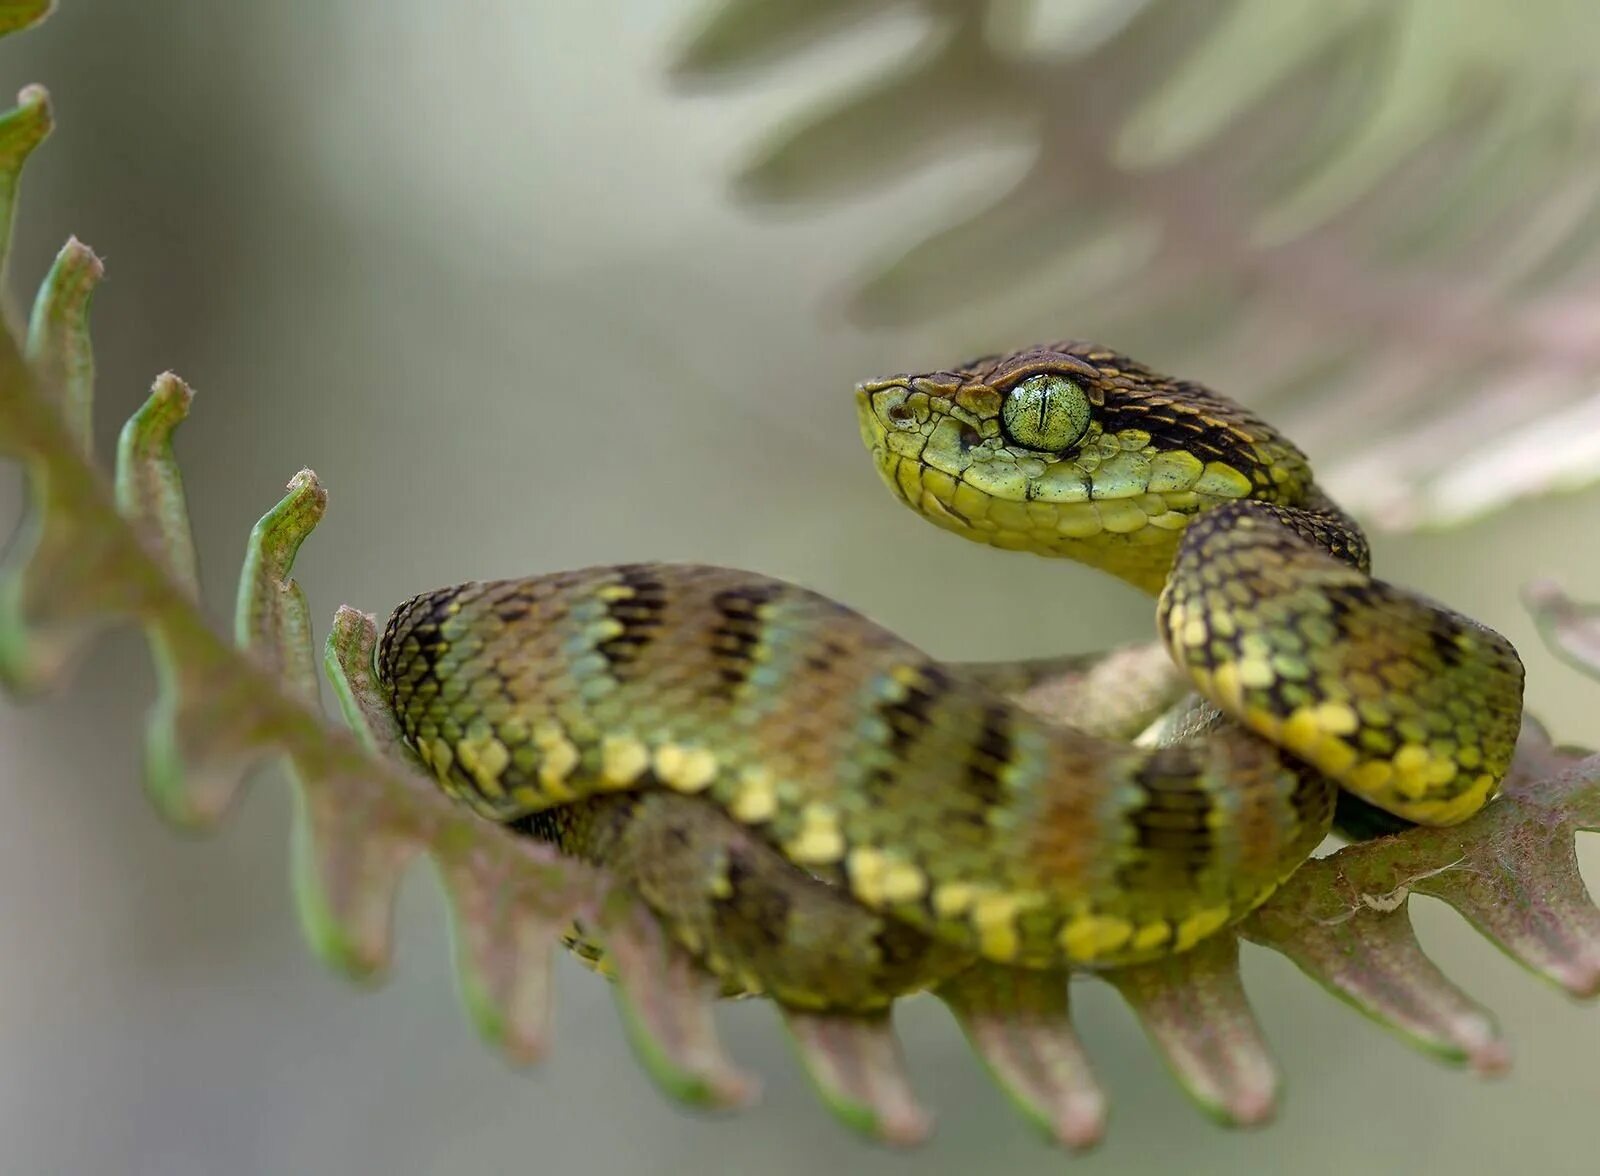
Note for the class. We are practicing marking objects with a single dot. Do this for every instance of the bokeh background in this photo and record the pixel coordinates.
(492, 273)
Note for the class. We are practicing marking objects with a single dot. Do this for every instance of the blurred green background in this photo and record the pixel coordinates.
(478, 266)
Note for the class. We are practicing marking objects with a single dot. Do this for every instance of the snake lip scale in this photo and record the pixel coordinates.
(820, 811)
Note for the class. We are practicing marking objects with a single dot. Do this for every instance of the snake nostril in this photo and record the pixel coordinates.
(901, 416)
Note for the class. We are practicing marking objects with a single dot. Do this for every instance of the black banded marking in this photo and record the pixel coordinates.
(901, 948)
(1312, 798)
(413, 628)
(750, 905)
(408, 652)
(828, 653)
(513, 609)
(638, 612)
(1170, 429)
(739, 631)
(991, 755)
(909, 715)
(1174, 820)
(548, 825)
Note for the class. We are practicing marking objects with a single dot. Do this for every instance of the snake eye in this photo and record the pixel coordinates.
(1047, 411)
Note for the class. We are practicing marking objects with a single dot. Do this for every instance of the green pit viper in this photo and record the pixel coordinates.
(817, 810)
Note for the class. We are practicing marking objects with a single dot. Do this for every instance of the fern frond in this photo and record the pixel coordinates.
(101, 551)
(1378, 219)
(1570, 628)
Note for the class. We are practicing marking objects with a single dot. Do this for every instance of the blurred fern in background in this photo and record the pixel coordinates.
(1377, 220)
(1374, 221)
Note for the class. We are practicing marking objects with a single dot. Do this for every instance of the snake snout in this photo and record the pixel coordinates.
(881, 408)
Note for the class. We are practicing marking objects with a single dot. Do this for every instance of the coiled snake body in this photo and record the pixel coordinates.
(818, 810)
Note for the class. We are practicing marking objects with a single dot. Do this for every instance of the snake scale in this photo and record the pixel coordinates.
(818, 810)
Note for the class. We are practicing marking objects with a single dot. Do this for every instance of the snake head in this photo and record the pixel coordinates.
(1072, 450)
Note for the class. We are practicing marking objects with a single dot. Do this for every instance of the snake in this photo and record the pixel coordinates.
(819, 811)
